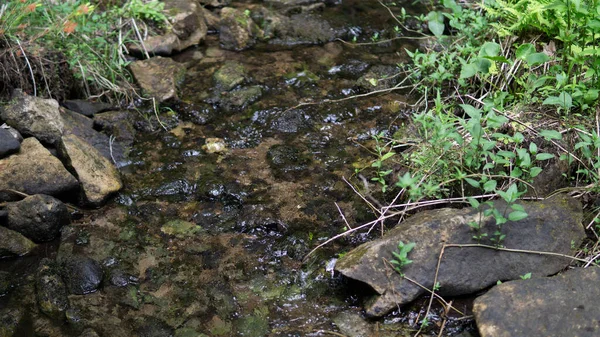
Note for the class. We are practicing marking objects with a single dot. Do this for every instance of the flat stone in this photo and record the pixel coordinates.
(34, 170)
(14, 244)
(552, 225)
(97, 175)
(34, 116)
(563, 305)
(8, 143)
(86, 108)
(229, 75)
(38, 217)
(158, 77)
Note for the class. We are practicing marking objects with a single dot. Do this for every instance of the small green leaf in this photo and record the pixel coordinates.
(474, 203)
(535, 171)
(544, 156)
(472, 182)
(532, 148)
(489, 49)
(490, 185)
(550, 134)
(517, 215)
(387, 156)
(435, 23)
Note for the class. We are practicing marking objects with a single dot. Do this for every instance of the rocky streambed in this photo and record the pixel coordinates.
(194, 220)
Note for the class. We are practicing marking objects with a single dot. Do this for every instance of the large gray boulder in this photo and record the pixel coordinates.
(38, 217)
(564, 305)
(158, 77)
(553, 225)
(98, 176)
(34, 116)
(34, 170)
(14, 244)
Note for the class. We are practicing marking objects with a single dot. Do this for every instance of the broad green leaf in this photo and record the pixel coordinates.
(524, 50)
(563, 100)
(535, 171)
(544, 156)
(483, 65)
(490, 185)
(489, 49)
(516, 172)
(472, 182)
(387, 156)
(471, 111)
(532, 148)
(435, 22)
(517, 207)
(474, 203)
(550, 134)
(517, 215)
(536, 58)
(468, 70)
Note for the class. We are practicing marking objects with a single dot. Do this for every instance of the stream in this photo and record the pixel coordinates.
(209, 235)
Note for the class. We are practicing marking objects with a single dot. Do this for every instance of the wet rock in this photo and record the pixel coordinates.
(214, 145)
(563, 305)
(553, 225)
(38, 217)
(287, 162)
(237, 30)
(34, 170)
(98, 177)
(6, 283)
(180, 228)
(153, 327)
(119, 278)
(240, 99)
(212, 20)
(188, 332)
(379, 77)
(158, 77)
(83, 128)
(34, 116)
(14, 244)
(305, 28)
(51, 292)
(254, 325)
(8, 143)
(86, 108)
(82, 275)
(215, 3)
(9, 321)
(117, 124)
(290, 121)
(89, 333)
(353, 325)
(188, 28)
(230, 75)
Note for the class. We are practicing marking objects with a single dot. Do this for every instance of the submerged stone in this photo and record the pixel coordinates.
(158, 77)
(552, 225)
(287, 162)
(563, 305)
(51, 290)
(180, 228)
(14, 244)
(230, 75)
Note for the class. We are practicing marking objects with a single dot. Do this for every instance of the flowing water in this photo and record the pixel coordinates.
(212, 244)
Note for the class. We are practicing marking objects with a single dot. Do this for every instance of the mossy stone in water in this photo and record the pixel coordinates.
(230, 75)
(180, 228)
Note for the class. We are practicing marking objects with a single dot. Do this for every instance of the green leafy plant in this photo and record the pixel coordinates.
(401, 259)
